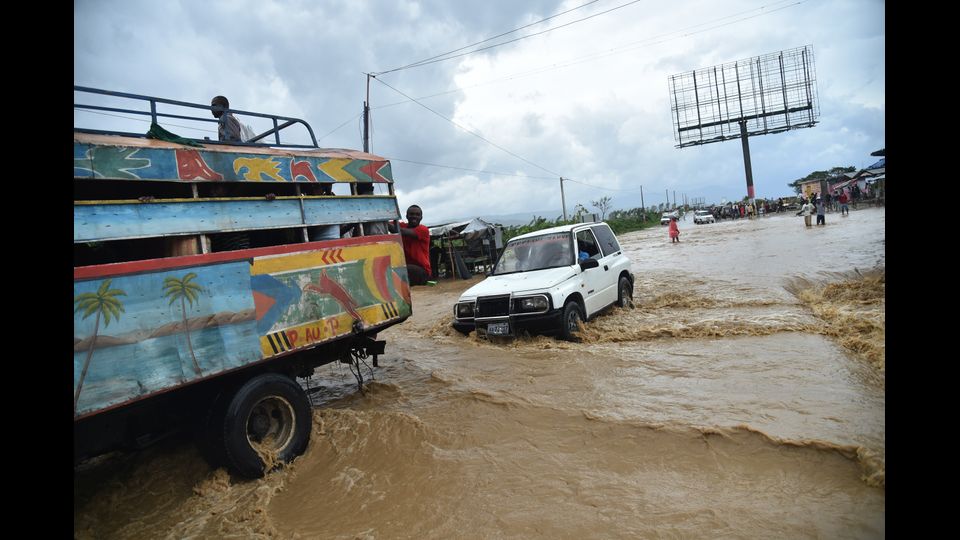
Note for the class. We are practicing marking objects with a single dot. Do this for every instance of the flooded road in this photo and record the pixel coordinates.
(742, 397)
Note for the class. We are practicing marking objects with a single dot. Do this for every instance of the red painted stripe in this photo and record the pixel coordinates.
(133, 267)
(372, 170)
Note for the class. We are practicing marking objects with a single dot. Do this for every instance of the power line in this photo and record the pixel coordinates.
(338, 127)
(598, 187)
(615, 50)
(419, 62)
(435, 60)
(474, 170)
(469, 131)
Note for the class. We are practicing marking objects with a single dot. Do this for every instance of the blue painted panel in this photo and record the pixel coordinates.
(325, 211)
(98, 222)
(145, 349)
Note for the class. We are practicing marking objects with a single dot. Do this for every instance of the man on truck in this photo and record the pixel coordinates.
(416, 246)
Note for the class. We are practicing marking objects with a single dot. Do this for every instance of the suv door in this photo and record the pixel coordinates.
(594, 282)
(613, 262)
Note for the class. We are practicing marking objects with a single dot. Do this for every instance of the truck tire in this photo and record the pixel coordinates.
(624, 293)
(269, 411)
(572, 315)
(208, 433)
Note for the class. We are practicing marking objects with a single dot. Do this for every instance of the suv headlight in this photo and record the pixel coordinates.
(464, 310)
(530, 304)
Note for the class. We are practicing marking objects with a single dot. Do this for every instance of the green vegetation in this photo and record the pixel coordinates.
(621, 221)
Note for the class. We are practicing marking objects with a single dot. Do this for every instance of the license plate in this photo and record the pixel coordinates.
(498, 329)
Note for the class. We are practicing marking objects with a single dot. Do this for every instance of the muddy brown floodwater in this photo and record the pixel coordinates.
(742, 397)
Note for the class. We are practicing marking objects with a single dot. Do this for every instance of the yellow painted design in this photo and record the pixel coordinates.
(276, 264)
(334, 169)
(369, 279)
(256, 167)
(325, 329)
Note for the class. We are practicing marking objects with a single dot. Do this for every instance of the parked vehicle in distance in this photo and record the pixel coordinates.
(548, 282)
(703, 216)
(665, 218)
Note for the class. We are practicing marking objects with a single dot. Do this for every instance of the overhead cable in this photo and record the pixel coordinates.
(477, 135)
(654, 40)
(436, 59)
(475, 170)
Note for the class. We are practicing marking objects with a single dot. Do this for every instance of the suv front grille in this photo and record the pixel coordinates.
(493, 306)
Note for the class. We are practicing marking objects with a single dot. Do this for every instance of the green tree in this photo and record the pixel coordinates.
(103, 302)
(185, 290)
(831, 174)
(603, 205)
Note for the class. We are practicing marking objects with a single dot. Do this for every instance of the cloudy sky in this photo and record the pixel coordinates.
(490, 132)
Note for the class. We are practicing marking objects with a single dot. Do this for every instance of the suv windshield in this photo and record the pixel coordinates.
(535, 253)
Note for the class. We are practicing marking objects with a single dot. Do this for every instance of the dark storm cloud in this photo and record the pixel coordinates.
(576, 101)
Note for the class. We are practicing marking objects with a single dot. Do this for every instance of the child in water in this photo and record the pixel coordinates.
(674, 230)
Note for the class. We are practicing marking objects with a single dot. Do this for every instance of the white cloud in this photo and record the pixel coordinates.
(588, 101)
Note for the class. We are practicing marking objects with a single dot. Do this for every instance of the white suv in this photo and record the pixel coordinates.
(665, 218)
(703, 216)
(547, 282)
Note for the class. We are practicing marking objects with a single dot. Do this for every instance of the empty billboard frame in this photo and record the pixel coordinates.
(765, 94)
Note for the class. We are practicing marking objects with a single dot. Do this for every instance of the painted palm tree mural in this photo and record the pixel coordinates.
(104, 303)
(186, 291)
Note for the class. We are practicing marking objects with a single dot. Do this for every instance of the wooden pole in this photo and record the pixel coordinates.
(453, 267)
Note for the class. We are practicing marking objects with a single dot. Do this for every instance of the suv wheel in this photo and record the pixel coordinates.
(625, 293)
(570, 324)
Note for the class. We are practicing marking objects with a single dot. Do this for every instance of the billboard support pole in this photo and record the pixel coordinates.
(746, 159)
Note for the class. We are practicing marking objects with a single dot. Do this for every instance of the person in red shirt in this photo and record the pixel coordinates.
(844, 209)
(416, 246)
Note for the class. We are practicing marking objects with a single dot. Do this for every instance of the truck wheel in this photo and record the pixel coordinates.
(269, 416)
(625, 296)
(572, 316)
(209, 430)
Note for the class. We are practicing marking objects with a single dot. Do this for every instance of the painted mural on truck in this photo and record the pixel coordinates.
(97, 161)
(144, 332)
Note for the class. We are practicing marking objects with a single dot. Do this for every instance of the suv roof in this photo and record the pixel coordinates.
(561, 228)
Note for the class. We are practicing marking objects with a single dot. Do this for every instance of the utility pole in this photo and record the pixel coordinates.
(643, 209)
(366, 118)
(563, 200)
(674, 198)
(667, 204)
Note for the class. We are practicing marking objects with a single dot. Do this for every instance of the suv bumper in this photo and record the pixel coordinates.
(545, 323)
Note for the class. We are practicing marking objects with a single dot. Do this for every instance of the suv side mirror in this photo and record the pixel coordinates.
(589, 263)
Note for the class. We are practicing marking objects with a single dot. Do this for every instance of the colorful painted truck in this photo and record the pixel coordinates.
(199, 297)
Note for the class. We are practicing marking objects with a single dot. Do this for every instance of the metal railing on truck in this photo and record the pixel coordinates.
(155, 116)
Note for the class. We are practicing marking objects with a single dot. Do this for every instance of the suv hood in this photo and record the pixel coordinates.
(520, 282)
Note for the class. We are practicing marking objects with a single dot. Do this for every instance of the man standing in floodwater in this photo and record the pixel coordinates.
(806, 210)
(821, 209)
